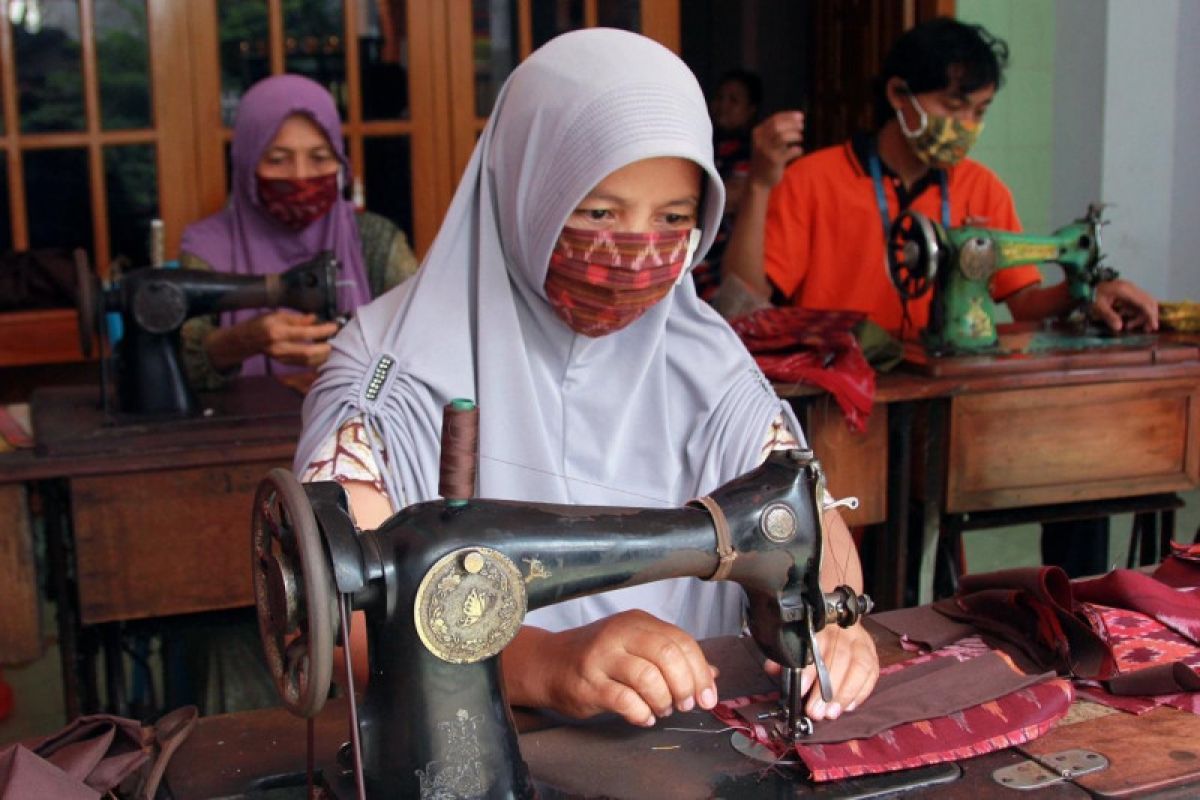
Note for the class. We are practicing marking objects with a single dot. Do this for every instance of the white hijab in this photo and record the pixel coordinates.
(666, 409)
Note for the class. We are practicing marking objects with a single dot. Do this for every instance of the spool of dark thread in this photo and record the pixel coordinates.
(460, 451)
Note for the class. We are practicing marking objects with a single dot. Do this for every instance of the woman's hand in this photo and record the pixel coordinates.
(853, 665)
(632, 664)
(288, 337)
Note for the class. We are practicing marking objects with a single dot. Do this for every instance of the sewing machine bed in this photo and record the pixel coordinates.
(261, 754)
(69, 420)
(1028, 347)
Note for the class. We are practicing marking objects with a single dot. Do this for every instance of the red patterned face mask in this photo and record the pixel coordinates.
(600, 281)
(298, 202)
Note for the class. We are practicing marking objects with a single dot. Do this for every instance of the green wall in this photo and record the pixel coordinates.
(1017, 141)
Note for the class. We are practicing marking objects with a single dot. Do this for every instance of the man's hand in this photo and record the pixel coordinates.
(777, 141)
(1122, 306)
(632, 664)
(853, 665)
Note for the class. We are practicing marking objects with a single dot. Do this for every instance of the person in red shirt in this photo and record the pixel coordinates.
(811, 231)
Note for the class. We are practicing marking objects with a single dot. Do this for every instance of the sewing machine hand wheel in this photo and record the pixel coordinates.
(293, 591)
(912, 254)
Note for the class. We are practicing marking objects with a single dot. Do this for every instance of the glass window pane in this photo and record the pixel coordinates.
(383, 58)
(5, 221)
(49, 72)
(387, 165)
(494, 25)
(552, 17)
(313, 44)
(123, 57)
(57, 199)
(245, 50)
(131, 183)
(625, 14)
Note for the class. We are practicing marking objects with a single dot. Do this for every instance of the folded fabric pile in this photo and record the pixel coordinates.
(800, 345)
(1131, 640)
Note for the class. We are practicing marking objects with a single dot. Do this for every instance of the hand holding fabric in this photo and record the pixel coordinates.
(853, 665)
(632, 664)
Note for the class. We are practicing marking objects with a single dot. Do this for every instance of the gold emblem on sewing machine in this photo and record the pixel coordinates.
(469, 605)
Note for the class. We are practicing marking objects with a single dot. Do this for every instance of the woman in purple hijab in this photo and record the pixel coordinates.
(556, 294)
(287, 204)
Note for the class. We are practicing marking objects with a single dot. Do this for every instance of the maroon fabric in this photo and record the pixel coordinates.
(1135, 591)
(1182, 567)
(1016, 711)
(1033, 609)
(1158, 666)
(1143, 634)
(800, 345)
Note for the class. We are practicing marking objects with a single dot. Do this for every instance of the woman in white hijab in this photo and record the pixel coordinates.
(554, 295)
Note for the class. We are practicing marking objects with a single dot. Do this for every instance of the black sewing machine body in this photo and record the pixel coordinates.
(153, 304)
(445, 586)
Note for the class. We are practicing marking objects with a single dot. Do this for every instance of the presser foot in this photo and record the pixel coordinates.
(761, 753)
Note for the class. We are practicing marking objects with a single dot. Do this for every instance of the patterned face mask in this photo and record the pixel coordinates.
(298, 202)
(940, 141)
(600, 281)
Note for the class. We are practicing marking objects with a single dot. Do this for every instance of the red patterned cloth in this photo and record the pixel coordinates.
(1018, 708)
(800, 345)
(1131, 640)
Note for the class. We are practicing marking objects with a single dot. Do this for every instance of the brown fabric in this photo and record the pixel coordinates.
(923, 627)
(1160, 679)
(936, 688)
(93, 755)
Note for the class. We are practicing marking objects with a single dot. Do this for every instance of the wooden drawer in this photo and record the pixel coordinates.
(1009, 449)
(855, 464)
(166, 542)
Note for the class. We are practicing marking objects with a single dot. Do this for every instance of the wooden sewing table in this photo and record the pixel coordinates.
(261, 754)
(987, 440)
(149, 516)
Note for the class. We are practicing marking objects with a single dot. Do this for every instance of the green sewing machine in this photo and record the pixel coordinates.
(958, 264)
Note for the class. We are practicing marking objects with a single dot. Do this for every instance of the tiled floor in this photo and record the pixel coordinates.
(38, 688)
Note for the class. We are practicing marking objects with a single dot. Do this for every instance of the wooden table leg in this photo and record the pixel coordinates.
(934, 461)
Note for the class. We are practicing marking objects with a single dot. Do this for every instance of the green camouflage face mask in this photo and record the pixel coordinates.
(939, 141)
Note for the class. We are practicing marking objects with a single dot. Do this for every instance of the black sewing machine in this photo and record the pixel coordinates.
(446, 584)
(154, 303)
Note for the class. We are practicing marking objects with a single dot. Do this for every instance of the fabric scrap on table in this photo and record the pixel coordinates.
(800, 345)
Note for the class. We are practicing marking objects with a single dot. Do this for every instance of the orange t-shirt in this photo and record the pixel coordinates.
(824, 247)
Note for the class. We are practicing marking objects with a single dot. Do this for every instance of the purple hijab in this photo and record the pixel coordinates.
(243, 239)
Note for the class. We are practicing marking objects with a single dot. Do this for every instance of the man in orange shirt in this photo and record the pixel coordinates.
(811, 231)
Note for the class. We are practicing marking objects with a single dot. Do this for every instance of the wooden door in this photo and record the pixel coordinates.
(849, 41)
